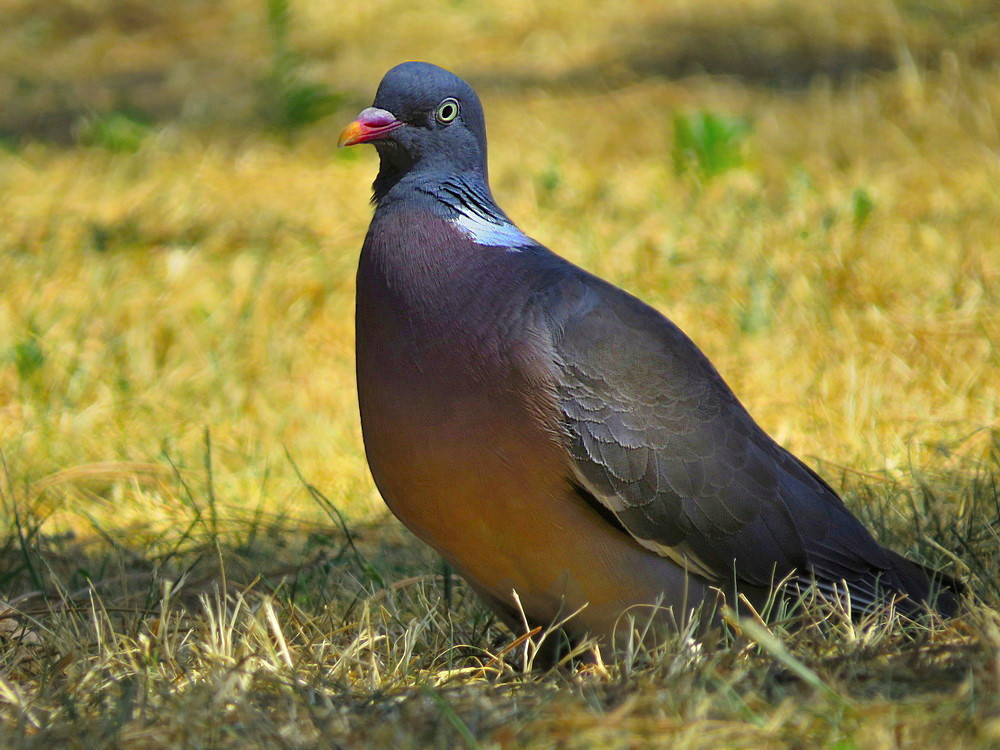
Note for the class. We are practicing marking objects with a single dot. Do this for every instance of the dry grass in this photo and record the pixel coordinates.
(192, 551)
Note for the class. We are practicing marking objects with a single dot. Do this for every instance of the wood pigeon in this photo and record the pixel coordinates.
(563, 445)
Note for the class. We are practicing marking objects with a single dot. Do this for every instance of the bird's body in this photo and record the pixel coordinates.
(485, 481)
(550, 434)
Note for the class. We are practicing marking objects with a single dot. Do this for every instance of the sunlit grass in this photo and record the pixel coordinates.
(176, 360)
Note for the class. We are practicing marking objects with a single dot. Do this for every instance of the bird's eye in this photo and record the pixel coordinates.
(447, 111)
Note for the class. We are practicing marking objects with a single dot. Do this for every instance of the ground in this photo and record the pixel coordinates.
(192, 551)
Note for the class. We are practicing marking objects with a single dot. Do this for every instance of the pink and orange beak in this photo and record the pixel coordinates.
(372, 124)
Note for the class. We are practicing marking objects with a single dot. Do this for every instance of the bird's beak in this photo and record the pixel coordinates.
(372, 124)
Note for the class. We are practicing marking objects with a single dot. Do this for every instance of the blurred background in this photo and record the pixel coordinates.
(811, 190)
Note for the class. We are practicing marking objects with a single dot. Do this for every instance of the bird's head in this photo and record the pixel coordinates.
(424, 119)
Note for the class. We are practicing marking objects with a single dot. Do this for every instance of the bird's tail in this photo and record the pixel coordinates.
(926, 587)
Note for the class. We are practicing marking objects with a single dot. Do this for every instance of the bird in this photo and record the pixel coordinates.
(564, 446)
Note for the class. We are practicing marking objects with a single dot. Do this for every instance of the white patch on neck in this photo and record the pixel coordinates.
(482, 231)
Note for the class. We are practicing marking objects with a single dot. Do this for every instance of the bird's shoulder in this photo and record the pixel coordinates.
(600, 330)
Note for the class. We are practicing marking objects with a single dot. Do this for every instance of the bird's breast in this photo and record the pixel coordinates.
(451, 412)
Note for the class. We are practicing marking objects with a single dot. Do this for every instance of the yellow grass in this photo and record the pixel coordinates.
(200, 290)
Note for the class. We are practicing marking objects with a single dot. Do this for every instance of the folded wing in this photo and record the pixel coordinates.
(658, 438)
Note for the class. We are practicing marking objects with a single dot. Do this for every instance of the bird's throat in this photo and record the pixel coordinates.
(394, 164)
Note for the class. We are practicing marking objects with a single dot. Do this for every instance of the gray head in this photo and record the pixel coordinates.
(424, 119)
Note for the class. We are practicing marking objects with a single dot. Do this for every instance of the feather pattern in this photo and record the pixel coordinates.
(657, 436)
(475, 213)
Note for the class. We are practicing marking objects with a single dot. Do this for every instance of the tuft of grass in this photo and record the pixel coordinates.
(28, 357)
(862, 206)
(709, 144)
(118, 132)
(290, 101)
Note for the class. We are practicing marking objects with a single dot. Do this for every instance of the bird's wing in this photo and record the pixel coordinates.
(659, 439)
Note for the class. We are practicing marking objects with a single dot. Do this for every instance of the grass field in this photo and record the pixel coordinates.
(192, 552)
